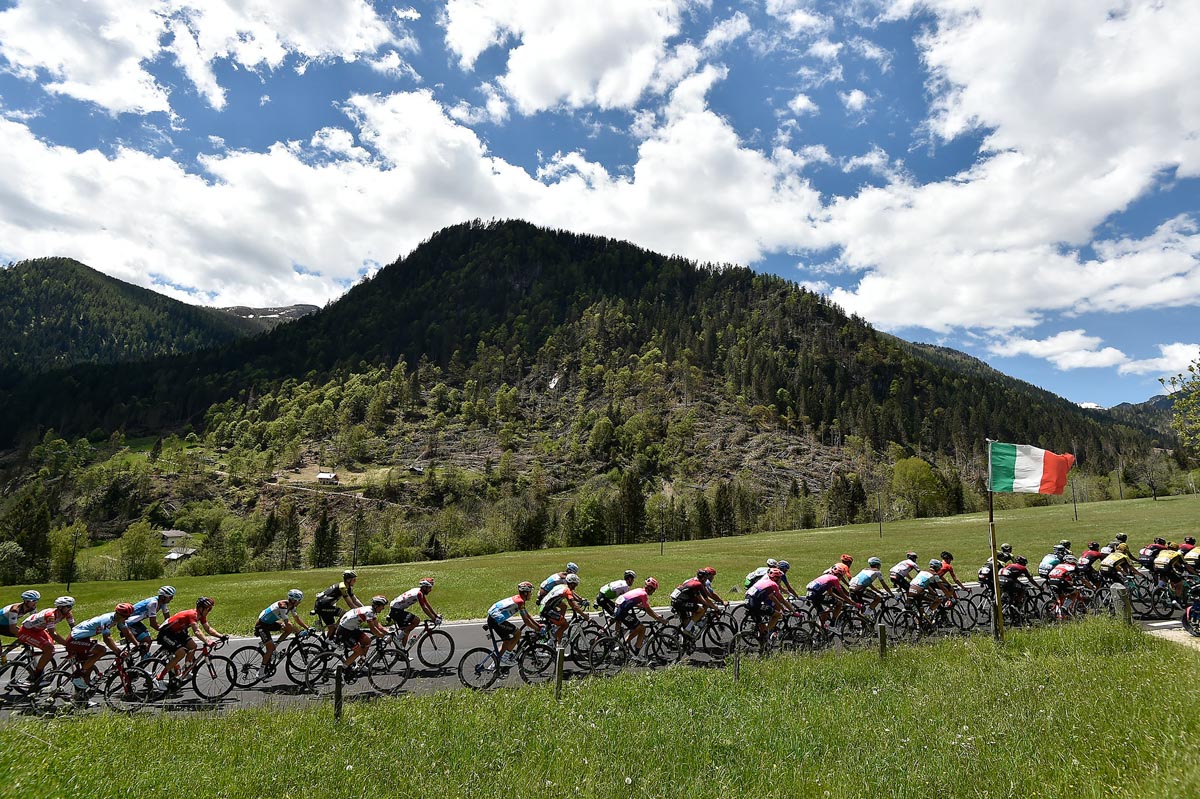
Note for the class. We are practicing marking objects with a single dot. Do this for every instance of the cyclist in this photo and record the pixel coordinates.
(350, 633)
(1168, 567)
(1119, 538)
(1062, 582)
(843, 573)
(946, 572)
(759, 573)
(865, 580)
(1114, 565)
(709, 575)
(146, 612)
(1149, 552)
(1015, 580)
(325, 605)
(920, 591)
(38, 631)
(175, 636)
(692, 598)
(498, 616)
(1088, 560)
(552, 605)
(400, 614)
(827, 588)
(609, 592)
(85, 652)
(1066, 546)
(1189, 543)
(765, 599)
(784, 566)
(10, 614)
(558, 578)
(903, 571)
(1191, 560)
(1005, 554)
(277, 618)
(628, 604)
(1052, 559)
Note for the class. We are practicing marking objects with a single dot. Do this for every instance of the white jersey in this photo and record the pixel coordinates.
(407, 599)
(904, 568)
(353, 619)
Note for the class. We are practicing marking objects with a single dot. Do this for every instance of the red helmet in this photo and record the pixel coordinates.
(651, 584)
(124, 609)
(774, 574)
(848, 560)
(841, 570)
(707, 571)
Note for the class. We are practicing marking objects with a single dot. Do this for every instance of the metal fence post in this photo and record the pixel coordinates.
(1122, 602)
(337, 692)
(560, 656)
(737, 663)
(881, 631)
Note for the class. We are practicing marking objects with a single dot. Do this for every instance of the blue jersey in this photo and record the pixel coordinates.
(148, 608)
(97, 625)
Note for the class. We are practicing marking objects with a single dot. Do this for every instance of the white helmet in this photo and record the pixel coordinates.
(295, 595)
(66, 602)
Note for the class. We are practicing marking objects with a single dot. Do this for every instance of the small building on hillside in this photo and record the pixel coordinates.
(327, 478)
(179, 553)
(173, 538)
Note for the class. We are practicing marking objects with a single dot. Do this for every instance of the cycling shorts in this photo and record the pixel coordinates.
(606, 604)
(82, 650)
(263, 631)
(628, 618)
(139, 631)
(552, 616)
(348, 637)
(172, 641)
(327, 613)
(506, 630)
(35, 638)
(684, 608)
(401, 618)
(901, 582)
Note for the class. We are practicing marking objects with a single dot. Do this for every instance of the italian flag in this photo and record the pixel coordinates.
(1022, 469)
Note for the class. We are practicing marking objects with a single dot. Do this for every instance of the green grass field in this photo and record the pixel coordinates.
(1056, 712)
(467, 586)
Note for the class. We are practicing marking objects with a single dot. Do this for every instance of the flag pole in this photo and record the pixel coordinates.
(997, 615)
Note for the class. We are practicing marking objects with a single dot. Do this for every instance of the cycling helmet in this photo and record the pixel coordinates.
(946, 556)
(1160, 541)
(847, 559)
(1071, 559)
(525, 587)
(1093, 545)
(910, 555)
(1191, 539)
(295, 595)
(167, 591)
(204, 603)
(772, 563)
(1122, 537)
(784, 566)
(874, 563)
(1006, 547)
(1059, 549)
(708, 572)
(1065, 544)
(651, 584)
(30, 596)
(572, 568)
(66, 602)
(840, 569)
(1021, 559)
(774, 574)
(123, 609)
(1172, 545)
(426, 582)
(572, 580)
(934, 565)
(379, 599)
(1123, 547)
(630, 576)
(349, 574)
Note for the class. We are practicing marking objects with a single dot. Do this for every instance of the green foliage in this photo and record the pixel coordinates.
(141, 555)
(64, 545)
(12, 563)
(1184, 389)
(914, 483)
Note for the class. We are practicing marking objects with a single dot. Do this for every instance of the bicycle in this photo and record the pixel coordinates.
(384, 668)
(434, 647)
(209, 675)
(534, 659)
(611, 654)
(249, 670)
(711, 637)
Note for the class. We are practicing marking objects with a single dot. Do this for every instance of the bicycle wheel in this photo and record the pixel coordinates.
(212, 678)
(53, 694)
(387, 671)
(129, 691)
(856, 630)
(322, 672)
(14, 679)
(606, 656)
(478, 668)
(300, 656)
(247, 665)
(435, 648)
(717, 641)
(663, 646)
(536, 664)
(580, 641)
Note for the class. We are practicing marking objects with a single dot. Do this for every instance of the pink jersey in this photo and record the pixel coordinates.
(825, 581)
(764, 587)
(637, 598)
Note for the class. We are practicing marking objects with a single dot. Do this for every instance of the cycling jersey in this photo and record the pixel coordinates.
(1148, 553)
(334, 592)
(504, 609)
(1063, 571)
(822, 583)
(45, 619)
(355, 617)
(1048, 563)
(146, 609)
(614, 589)
(1113, 561)
(276, 612)
(904, 569)
(407, 599)
(1167, 560)
(1192, 558)
(558, 593)
(1012, 573)
(10, 614)
(558, 578)
(926, 579)
(764, 588)
(688, 589)
(97, 625)
(865, 579)
(1186, 548)
(947, 569)
(1089, 560)
(756, 575)
(634, 598)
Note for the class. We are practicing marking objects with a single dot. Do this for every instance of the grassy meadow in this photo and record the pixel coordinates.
(467, 586)
(964, 718)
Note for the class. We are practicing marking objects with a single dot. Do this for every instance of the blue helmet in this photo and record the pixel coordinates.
(572, 568)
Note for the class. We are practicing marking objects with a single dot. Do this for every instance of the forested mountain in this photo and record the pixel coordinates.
(267, 318)
(1153, 414)
(56, 312)
(508, 302)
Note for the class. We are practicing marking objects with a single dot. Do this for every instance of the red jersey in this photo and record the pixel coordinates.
(182, 620)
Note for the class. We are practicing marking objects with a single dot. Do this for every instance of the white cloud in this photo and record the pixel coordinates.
(872, 52)
(855, 100)
(494, 108)
(798, 18)
(571, 52)
(100, 51)
(1070, 349)
(825, 50)
(394, 66)
(1092, 406)
(802, 104)
(726, 32)
(1173, 359)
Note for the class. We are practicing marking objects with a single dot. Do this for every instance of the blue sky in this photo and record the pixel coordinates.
(1016, 180)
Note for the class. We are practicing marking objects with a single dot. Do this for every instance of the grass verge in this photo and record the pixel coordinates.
(962, 718)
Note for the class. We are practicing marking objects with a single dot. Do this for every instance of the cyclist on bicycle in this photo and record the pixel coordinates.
(1168, 567)
(692, 598)
(1052, 559)
(825, 589)
(901, 574)
(146, 612)
(759, 573)
(631, 601)
(85, 652)
(498, 616)
(277, 617)
(609, 592)
(921, 590)
(1062, 581)
(1003, 556)
(176, 636)
(1148, 553)
(326, 607)
(38, 632)
(1191, 560)
(407, 621)
(946, 572)
(1088, 560)
(350, 633)
(553, 610)
(842, 569)
(1189, 543)
(1116, 564)
(1015, 580)
(784, 567)
(765, 602)
(556, 579)
(864, 582)
(10, 615)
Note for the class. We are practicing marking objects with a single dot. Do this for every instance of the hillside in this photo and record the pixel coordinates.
(57, 312)
(267, 318)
